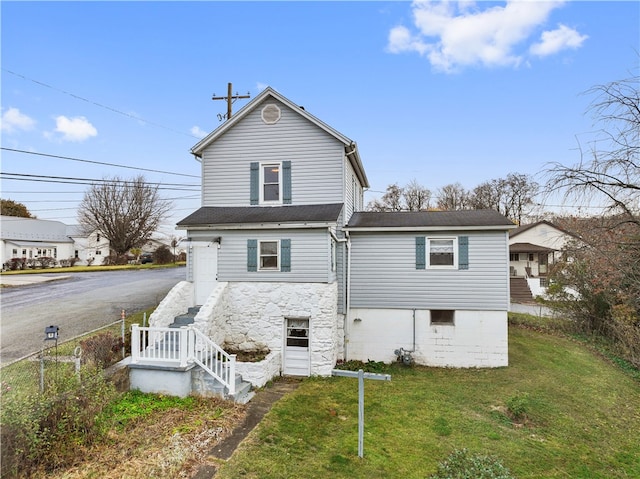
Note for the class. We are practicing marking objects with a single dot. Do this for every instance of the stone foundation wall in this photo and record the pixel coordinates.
(175, 303)
(252, 315)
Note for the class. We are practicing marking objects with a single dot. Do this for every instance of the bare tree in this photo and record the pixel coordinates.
(487, 195)
(452, 197)
(511, 196)
(416, 197)
(126, 212)
(413, 197)
(608, 172)
(390, 201)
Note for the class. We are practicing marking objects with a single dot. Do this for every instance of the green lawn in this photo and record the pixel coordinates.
(580, 419)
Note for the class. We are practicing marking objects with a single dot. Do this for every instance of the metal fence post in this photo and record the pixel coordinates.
(123, 316)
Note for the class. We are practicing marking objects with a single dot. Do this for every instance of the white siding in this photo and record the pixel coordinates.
(384, 274)
(316, 159)
(310, 255)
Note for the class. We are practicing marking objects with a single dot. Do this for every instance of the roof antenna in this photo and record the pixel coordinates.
(231, 99)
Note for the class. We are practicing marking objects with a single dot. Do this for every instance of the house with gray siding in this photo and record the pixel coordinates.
(281, 256)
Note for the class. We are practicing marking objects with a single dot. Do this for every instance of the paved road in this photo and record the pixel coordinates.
(77, 303)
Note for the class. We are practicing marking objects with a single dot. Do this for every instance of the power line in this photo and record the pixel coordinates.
(97, 162)
(114, 110)
(87, 181)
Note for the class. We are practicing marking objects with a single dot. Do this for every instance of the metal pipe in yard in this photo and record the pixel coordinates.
(123, 316)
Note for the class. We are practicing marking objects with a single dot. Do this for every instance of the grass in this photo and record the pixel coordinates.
(24, 375)
(87, 269)
(557, 411)
(561, 409)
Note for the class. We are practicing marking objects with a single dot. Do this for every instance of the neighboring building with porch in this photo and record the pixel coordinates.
(533, 249)
(31, 239)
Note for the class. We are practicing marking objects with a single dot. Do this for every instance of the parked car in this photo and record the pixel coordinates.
(146, 258)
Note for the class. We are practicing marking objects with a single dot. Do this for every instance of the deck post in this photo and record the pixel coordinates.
(135, 343)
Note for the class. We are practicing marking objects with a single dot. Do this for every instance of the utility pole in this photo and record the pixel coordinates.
(230, 100)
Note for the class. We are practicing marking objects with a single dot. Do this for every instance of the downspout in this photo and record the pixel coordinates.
(346, 240)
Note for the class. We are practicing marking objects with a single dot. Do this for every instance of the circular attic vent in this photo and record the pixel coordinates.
(271, 114)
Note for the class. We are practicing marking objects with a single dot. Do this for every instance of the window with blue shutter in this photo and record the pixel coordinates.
(285, 255)
(254, 183)
(252, 255)
(463, 252)
(420, 256)
(286, 182)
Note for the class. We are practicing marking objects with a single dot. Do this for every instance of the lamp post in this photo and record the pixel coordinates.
(50, 334)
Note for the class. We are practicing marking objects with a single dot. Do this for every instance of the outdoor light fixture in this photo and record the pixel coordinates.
(51, 333)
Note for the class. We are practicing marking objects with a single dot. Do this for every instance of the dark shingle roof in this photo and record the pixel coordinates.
(529, 248)
(429, 219)
(222, 215)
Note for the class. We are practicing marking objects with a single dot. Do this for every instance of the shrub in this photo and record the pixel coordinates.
(69, 262)
(16, 263)
(518, 406)
(461, 464)
(47, 262)
(102, 350)
(162, 255)
(43, 431)
(114, 259)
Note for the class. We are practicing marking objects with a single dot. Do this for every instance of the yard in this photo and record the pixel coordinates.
(559, 410)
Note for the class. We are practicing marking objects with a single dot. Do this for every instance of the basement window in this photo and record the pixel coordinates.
(442, 316)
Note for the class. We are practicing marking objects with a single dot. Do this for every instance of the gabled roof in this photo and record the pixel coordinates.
(31, 229)
(428, 220)
(350, 145)
(211, 216)
(522, 229)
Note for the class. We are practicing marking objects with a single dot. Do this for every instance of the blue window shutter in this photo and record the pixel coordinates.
(252, 255)
(463, 252)
(286, 182)
(285, 255)
(420, 258)
(254, 186)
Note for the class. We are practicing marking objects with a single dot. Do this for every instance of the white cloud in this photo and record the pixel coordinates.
(73, 129)
(197, 131)
(557, 40)
(13, 120)
(454, 35)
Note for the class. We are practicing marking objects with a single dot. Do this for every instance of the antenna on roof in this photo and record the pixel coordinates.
(230, 101)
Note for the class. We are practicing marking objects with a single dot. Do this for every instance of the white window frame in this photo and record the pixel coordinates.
(278, 256)
(262, 183)
(454, 241)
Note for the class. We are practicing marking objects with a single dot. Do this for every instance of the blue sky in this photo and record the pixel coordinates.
(437, 92)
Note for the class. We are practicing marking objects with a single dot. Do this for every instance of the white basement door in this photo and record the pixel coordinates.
(296, 349)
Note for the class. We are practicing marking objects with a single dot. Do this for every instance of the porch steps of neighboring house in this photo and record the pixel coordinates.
(520, 292)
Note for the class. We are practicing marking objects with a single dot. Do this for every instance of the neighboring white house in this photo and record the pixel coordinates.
(280, 255)
(533, 249)
(31, 239)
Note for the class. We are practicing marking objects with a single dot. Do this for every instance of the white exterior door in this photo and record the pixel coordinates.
(296, 347)
(205, 271)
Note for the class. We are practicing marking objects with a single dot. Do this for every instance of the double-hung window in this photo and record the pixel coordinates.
(269, 254)
(271, 183)
(442, 253)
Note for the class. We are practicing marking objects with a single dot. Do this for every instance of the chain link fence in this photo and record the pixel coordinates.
(101, 347)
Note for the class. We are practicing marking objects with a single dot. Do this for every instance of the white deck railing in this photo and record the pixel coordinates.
(179, 347)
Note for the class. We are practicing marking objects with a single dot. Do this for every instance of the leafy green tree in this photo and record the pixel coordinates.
(13, 208)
